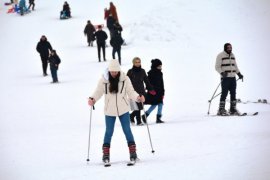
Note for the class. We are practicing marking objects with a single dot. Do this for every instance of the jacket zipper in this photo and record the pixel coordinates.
(117, 105)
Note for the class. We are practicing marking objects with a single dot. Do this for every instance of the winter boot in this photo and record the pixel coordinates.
(233, 110)
(138, 118)
(132, 151)
(132, 116)
(106, 152)
(143, 117)
(222, 111)
(159, 120)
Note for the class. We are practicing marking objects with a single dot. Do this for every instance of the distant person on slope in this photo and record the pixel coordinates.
(89, 31)
(44, 48)
(65, 13)
(116, 41)
(138, 78)
(101, 37)
(54, 61)
(117, 88)
(155, 77)
(227, 68)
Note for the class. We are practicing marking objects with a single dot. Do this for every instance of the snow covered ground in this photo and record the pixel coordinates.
(44, 127)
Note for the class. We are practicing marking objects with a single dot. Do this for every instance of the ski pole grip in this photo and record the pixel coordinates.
(93, 105)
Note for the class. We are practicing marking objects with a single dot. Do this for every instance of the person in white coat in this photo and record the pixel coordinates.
(117, 88)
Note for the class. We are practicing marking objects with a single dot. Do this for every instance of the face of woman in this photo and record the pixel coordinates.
(114, 73)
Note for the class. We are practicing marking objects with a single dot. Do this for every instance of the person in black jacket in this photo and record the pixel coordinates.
(110, 24)
(89, 31)
(31, 3)
(65, 13)
(101, 37)
(44, 47)
(116, 41)
(138, 78)
(54, 61)
(155, 77)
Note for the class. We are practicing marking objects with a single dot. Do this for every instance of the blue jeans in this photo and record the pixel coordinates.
(125, 123)
(152, 107)
(54, 74)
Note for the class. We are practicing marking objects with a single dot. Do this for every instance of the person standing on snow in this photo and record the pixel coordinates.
(31, 3)
(116, 41)
(89, 31)
(22, 6)
(101, 37)
(226, 66)
(155, 77)
(117, 89)
(44, 48)
(138, 78)
(54, 61)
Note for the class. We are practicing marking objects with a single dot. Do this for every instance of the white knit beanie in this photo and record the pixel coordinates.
(114, 65)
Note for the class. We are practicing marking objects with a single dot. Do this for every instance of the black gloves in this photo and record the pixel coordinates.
(224, 74)
(240, 75)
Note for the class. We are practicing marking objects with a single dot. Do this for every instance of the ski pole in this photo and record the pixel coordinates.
(213, 96)
(148, 129)
(93, 107)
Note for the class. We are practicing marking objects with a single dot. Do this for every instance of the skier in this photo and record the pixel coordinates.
(101, 37)
(226, 66)
(155, 77)
(31, 3)
(117, 89)
(44, 48)
(116, 42)
(89, 31)
(138, 78)
(54, 61)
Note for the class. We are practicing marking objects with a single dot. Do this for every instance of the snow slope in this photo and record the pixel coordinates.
(44, 127)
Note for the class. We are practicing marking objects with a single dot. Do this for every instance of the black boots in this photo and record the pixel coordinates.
(143, 118)
(106, 152)
(132, 151)
(222, 111)
(233, 110)
(132, 116)
(138, 118)
(159, 120)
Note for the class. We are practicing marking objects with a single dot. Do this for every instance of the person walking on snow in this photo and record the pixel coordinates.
(155, 77)
(138, 78)
(227, 68)
(31, 3)
(117, 88)
(101, 37)
(54, 61)
(44, 48)
(89, 31)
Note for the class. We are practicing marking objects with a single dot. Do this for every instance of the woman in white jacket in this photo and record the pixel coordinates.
(117, 88)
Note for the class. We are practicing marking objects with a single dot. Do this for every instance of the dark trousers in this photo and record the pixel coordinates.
(54, 74)
(31, 4)
(44, 64)
(99, 47)
(228, 84)
(118, 51)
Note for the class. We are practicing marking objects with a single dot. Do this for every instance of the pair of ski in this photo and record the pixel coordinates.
(130, 163)
(243, 114)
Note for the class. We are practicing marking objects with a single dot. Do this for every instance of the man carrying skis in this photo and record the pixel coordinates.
(226, 66)
(118, 89)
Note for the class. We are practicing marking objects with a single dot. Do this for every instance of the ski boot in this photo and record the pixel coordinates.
(106, 153)
(233, 110)
(222, 111)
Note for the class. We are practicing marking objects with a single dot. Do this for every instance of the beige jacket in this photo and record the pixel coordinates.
(226, 63)
(116, 104)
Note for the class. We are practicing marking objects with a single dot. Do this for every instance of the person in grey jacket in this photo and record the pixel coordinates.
(117, 88)
(227, 67)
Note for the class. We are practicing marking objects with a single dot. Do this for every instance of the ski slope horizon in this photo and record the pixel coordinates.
(44, 127)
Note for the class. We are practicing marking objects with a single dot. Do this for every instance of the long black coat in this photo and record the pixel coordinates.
(101, 36)
(155, 77)
(89, 30)
(43, 47)
(116, 41)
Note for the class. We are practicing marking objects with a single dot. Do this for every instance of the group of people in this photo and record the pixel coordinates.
(48, 56)
(116, 40)
(20, 7)
(119, 88)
